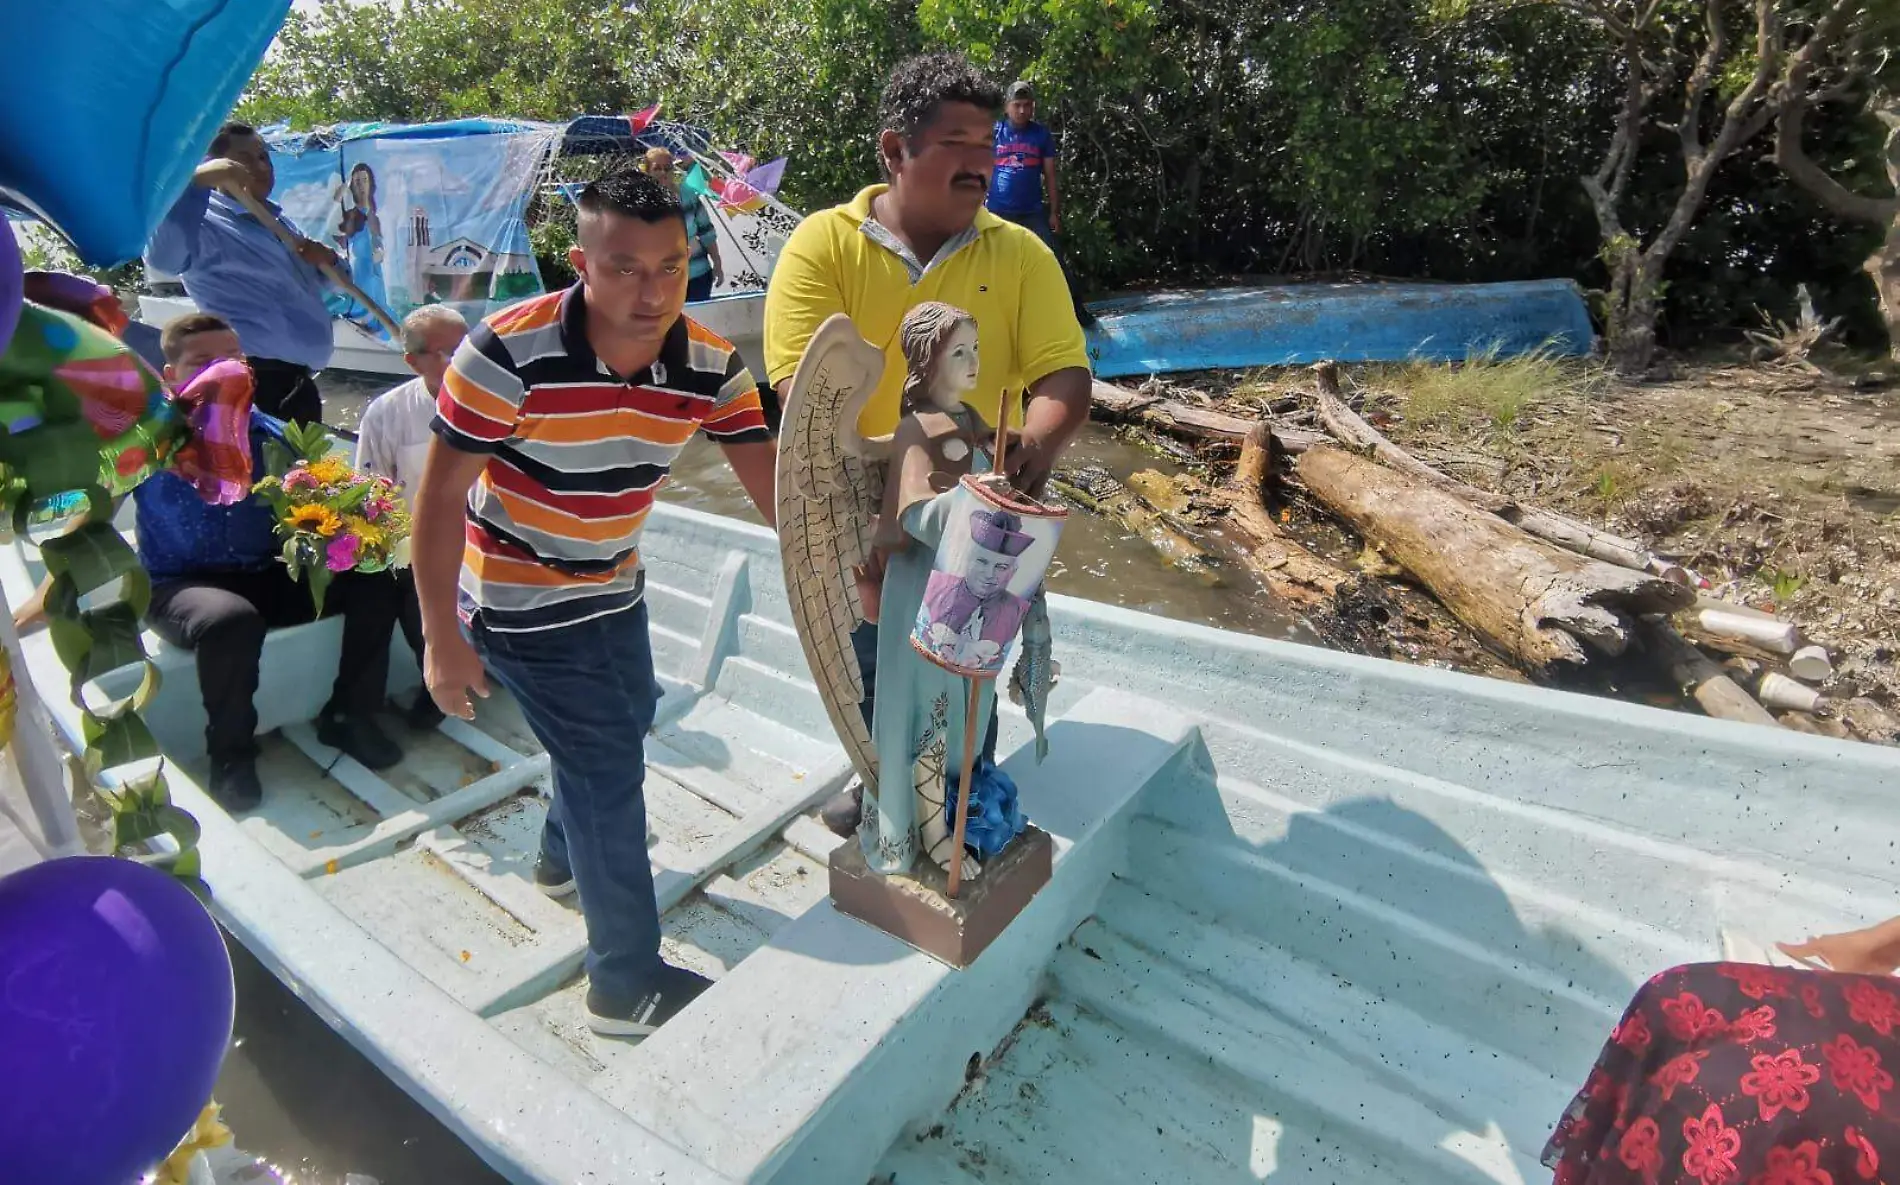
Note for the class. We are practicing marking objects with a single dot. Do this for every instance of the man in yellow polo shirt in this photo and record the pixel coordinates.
(925, 236)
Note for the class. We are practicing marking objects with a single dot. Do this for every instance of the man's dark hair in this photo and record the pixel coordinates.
(920, 85)
(172, 341)
(221, 143)
(634, 194)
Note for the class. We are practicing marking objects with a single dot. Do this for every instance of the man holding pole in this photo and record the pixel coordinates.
(237, 268)
(926, 236)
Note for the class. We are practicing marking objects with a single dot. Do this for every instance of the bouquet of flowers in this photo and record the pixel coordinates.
(333, 518)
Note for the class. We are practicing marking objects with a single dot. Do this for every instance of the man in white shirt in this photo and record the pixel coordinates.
(393, 441)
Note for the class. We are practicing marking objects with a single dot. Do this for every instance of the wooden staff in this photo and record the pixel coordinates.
(262, 213)
(964, 789)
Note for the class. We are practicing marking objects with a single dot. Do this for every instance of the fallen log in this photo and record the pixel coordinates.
(1289, 570)
(1094, 488)
(1355, 433)
(1699, 677)
(1186, 420)
(1538, 603)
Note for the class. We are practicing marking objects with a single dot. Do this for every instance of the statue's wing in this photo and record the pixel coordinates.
(829, 493)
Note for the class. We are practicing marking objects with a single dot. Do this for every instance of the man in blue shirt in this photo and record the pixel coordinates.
(1023, 188)
(1025, 165)
(219, 582)
(235, 267)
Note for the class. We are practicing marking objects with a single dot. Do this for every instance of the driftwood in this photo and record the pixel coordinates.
(1566, 532)
(1095, 489)
(1289, 569)
(1186, 420)
(1538, 603)
(1699, 677)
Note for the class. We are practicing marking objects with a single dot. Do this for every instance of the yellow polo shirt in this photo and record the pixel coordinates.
(1005, 277)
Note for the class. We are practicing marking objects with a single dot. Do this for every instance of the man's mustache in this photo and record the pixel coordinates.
(978, 179)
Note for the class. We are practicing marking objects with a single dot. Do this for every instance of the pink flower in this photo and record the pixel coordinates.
(375, 508)
(341, 555)
(299, 479)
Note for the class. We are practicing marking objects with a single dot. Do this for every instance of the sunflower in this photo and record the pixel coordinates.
(320, 519)
(362, 528)
(329, 471)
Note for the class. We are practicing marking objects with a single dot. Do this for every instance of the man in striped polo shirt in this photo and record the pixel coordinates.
(558, 422)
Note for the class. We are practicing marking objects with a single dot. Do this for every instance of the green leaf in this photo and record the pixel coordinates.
(72, 641)
(318, 575)
(115, 641)
(120, 740)
(91, 556)
(179, 824)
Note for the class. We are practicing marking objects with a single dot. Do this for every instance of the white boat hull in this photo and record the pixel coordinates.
(1337, 914)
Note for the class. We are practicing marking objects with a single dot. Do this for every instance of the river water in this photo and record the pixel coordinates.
(298, 1096)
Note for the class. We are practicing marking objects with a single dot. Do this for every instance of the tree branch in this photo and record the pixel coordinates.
(1802, 170)
(1740, 119)
(1701, 81)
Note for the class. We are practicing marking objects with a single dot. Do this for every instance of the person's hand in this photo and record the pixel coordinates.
(1860, 952)
(1055, 223)
(315, 254)
(454, 670)
(719, 271)
(1030, 461)
(220, 173)
(31, 616)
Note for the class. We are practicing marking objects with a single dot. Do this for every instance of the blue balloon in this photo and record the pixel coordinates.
(107, 106)
(12, 277)
(115, 1010)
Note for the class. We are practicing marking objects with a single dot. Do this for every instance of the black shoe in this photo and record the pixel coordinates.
(555, 882)
(671, 991)
(423, 715)
(842, 811)
(360, 739)
(234, 785)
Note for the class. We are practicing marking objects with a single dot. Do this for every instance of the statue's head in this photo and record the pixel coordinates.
(940, 358)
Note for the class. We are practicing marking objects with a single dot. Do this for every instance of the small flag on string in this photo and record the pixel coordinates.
(695, 184)
(638, 121)
(766, 177)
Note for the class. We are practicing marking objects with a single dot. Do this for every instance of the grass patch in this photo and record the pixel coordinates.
(1485, 390)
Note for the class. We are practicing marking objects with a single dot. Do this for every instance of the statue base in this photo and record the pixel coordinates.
(914, 908)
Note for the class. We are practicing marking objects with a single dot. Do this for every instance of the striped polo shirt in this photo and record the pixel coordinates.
(578, 454)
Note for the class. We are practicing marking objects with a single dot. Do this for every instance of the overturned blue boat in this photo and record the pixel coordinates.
(1292, 324)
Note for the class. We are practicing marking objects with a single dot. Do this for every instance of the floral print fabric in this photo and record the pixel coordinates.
(1739, 1074)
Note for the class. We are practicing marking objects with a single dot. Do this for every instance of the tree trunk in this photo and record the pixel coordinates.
(1538, 603)
(1884, 267)
(1632, 323)
(1291, 571)
(1351, 430)
(1699, 677)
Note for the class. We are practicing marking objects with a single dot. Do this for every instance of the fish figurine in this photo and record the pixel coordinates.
(1035, 672)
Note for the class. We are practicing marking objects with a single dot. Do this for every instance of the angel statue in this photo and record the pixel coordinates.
(860, 521)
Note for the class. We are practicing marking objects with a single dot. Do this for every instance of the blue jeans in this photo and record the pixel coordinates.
(588, 693)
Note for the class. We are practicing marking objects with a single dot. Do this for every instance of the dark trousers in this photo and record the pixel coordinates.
(1037, 221)
(285, 390)
(588, 692)
(699, 287)
(223, 617)
(409, 614)
(864, 646)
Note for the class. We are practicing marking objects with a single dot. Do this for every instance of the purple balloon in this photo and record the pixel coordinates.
(12, 275)
(115, 1010)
